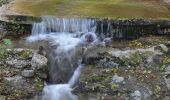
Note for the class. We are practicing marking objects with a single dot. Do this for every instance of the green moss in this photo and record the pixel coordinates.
(114, 86)
(3, 53)
(38, 84)
(24, 54)
(136, 58)
(96, 78)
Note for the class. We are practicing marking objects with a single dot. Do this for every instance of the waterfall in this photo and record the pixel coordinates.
(66, 25)
(68, 39)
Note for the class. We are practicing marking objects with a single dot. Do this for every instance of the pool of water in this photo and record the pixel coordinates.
(94, 8)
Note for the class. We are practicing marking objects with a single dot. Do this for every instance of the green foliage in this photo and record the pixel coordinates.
(96, 78)
(3, 52)
(38, 84)
(7, 41)
(24, 54)
(17, 28)
(136, 58)
(114, 86)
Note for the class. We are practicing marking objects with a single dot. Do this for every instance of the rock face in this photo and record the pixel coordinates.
(22, 73)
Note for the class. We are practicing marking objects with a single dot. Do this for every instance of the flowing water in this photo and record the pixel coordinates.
(68, 39)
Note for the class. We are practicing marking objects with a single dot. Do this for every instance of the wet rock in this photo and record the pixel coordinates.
(167, 81)
(107, 41)
(136, 95)
(161, 47)
(16, 81)
(18, 63)
(117, 79)
(38, 61)
(42, 75)
(27, 73)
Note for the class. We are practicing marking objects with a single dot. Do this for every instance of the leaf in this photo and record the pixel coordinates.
(7, 41)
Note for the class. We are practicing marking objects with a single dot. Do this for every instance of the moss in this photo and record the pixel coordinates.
(16, 95)
(38, 84)
(134, 59)
(24, 54)
(3, 53)
(96, 78)
(114, 86)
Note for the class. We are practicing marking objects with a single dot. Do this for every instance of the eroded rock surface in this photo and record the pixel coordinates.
(19, 77)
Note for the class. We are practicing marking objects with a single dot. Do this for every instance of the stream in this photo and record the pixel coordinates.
(85, 50)
(68, 40)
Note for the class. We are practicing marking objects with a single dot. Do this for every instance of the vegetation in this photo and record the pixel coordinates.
(3, 50)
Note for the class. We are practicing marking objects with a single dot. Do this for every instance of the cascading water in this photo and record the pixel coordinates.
(67, 39)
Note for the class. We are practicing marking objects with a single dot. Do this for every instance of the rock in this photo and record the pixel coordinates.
(18, 63)
(117, 79)
(38, 61)
(167, 81)
(166, 77)
(27, 73)
(107, 63)
(42, 75)
(16, 81)
(168, 44)
(92, 98)
(168, 68)
(161, 47)
(136, 95)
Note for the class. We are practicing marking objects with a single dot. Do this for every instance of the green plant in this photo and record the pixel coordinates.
(7, 41)
(3, 52)
(17, 29)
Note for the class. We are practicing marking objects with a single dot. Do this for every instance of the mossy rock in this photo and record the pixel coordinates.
(25, 54)
(136, 58)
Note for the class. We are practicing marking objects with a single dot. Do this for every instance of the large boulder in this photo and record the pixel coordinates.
(38, 61)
